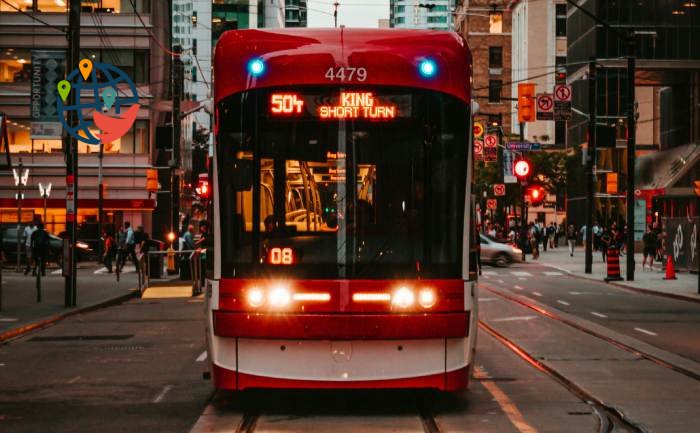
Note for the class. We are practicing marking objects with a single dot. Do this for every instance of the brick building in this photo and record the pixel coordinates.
(486, 25)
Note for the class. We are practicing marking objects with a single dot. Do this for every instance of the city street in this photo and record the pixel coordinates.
(555, 353)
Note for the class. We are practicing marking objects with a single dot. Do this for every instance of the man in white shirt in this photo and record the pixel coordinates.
(28, 232)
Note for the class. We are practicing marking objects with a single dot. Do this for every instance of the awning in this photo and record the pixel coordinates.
(662, 170)
(83, 203)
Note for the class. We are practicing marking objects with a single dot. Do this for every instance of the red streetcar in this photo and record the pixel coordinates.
(341, 211)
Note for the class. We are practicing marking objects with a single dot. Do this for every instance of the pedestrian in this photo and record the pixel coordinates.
(649, 240)
(109, 249)
(188, 238)
(28, 232)
(40, 248)
(604, 243)
(571, 238)
(534, 238)
(544, 235)
(130, 247)
(583, 235)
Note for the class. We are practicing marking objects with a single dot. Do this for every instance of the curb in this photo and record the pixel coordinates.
(17, 332)
(626, 287)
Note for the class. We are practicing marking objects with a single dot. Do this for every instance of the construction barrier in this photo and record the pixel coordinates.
(613, 265)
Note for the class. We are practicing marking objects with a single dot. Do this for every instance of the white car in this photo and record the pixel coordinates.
(498, 253)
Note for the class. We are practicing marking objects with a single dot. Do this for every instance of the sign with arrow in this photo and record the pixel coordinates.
(545, 106)
(562, 102)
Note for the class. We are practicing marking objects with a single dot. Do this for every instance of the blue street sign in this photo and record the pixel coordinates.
(522, 145)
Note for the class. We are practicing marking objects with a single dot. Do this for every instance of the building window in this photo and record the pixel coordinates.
(400, 9)
(400, 20)
(495, 22)
(194, 46)
(495, 91)
(15, 65)
(561, 20)
(194, 18)
(134, 63)
(495, 57)
(437, 19)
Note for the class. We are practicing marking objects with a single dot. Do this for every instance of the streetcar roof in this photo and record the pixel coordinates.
(304, 56)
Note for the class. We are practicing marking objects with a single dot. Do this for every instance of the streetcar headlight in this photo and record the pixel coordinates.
(426, 298)
(279, 297)
(256, 67)
(256, 297)
(403, 297)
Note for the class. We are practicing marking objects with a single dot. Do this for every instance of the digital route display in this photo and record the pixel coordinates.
(346, 105)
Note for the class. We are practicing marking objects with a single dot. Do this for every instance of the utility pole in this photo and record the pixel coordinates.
(20, 182)
(631, 150)
(100, 199)
(335, 13)
(590, 164)
(71, 154)
(178, 77)
(523, 206)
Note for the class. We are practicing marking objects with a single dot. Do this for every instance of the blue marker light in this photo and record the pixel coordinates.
(427, 68)
(256, 67)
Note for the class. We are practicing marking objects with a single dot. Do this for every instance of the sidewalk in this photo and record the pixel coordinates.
(20, 311)
(685, 286)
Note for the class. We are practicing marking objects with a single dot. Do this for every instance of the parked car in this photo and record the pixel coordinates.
(9, 247)
(498, 253)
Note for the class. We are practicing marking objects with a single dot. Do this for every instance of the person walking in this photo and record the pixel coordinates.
(188, 238)
(28, 232)
(571, 238)
(40, 249)
(649, 240)
(109, 249)
(604, 243)
(544, 230)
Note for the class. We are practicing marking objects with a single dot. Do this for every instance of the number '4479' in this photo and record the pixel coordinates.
(346, 74)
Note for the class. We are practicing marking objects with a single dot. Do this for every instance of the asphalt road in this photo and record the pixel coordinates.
(666, 323)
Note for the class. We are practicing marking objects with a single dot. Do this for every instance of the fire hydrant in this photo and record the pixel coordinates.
(171, 261)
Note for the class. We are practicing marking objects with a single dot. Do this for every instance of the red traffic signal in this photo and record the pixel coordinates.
(526, 102)
(536, 195)
(522, 169)
(202, 189)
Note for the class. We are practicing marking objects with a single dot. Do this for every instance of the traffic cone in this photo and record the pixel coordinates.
(613, 265)
(670, 271)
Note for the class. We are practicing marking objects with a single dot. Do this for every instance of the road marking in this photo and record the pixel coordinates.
(489, 272)
(644, 331)
(102, 270)
(57, 272)
(575, 293)
(75, 379)
(500, 281)
(552, 274)
(508, 407)
(537, 294)
(601, 315)
(202, 357)
(516, 287)
(514, 318)
(487, 299)
(162, 393)
(522, 278)
(8, 319)
(521, 273)
(563, 302)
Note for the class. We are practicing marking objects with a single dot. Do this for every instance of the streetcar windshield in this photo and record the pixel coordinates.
(327, 182)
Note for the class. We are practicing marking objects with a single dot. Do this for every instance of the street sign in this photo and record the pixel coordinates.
(508, 159)
(478, 130)
(545, 106)
(499, 189)
(562, 102)
(491, 204)
(478, 150)
(491, 148)
(522, 145)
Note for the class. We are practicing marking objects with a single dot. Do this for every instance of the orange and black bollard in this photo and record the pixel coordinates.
(613, 265)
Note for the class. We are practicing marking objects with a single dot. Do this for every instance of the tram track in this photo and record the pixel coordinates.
(611, 419)
(619, 344)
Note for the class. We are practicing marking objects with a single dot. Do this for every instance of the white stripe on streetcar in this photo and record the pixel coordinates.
(563, 302)
(644, 331)
(537, 294)
(601, 315)
(162, 393)
(202, 357)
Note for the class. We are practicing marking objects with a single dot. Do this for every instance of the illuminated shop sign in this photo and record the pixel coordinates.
(349, 105)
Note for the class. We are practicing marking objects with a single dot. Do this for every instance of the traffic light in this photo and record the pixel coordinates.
(697, 187)
(536, 194)
(522, 168)
(202, 189)
(526, 102)
(152, 180)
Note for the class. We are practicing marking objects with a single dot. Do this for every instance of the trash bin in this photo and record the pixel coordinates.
(155, 261)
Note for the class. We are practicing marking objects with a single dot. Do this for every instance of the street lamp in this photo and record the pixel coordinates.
(21, 176)
(45, 192)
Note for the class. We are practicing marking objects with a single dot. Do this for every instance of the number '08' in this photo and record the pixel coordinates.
(346, 74)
